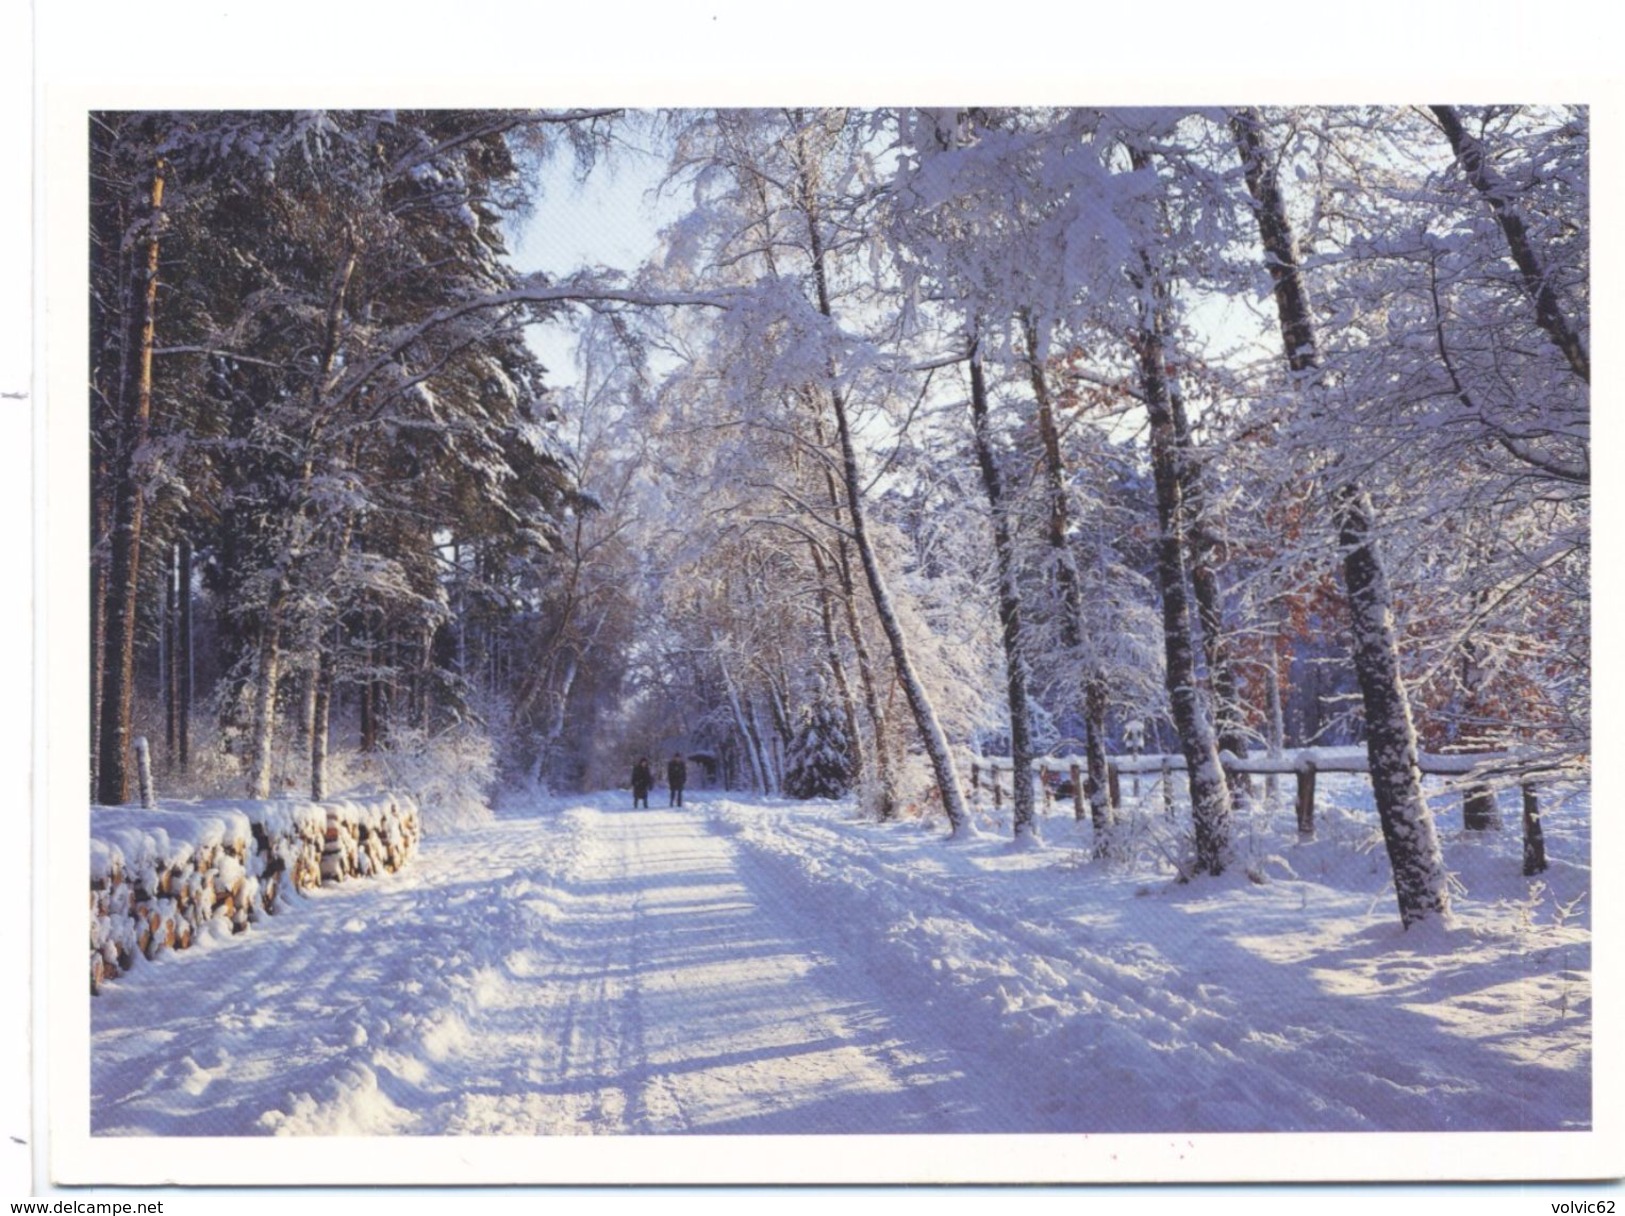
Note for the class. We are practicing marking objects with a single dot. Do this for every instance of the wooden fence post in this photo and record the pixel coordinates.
(1478, 810)
(1534, 839)
(998, 794)
(1049, 793)
(1167, 787)
(1114, 788)
(1306, 799)
(1076, 774)
(975, 782)
(143, 769)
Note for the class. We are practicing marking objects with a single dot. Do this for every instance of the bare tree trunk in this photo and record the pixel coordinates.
(111, 357)
(778, 707)
(1396, 780)
(1211, 805)
(320, 714)
(371, 688)
(759, 740)
(1420, 883)
(885, 791)
(378, 691)
(880, 728)
(925, 714)
(559, 701)
(98, 638)
(364, 703)
(1210, 794)
(1206, 555)
(741, 724)
(1094, 749)
(124, 576)
(1537, 282)
(927, 720)
(266, 678)
(1534, 838)
(312, 693)
(1277, 716)
(143, 768)
(169, 667)
(1010, 632)
(183, 725)
(1071, 587)
(425, 680)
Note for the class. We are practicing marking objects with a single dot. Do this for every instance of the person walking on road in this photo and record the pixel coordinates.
(642, 779)
(676, 778)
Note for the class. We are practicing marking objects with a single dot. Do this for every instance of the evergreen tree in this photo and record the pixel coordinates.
(819, 764)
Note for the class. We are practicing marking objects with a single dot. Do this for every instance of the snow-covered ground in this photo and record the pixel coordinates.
(745, 967)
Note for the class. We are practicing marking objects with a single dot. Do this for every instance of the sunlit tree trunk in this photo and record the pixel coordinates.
(321, 712)
(885, 791)
(267, 674)
(553, 730)
(761, 742)
(741, 723)
(1009, 597)
(1420, 882)
(932, 737)
(125, 537)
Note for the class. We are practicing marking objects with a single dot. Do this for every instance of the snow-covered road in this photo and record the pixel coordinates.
(606, 971)
(775, 967)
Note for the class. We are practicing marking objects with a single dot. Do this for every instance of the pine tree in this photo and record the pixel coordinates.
(819, 764)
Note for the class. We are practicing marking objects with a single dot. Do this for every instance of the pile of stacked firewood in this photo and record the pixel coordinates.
(162, 877)
(370, 836)
(289, 837)
(157, 879)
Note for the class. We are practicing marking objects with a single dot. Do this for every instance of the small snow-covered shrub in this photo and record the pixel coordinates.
(450, 774)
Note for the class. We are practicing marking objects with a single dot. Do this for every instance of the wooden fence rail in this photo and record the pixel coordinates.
(1479, 808)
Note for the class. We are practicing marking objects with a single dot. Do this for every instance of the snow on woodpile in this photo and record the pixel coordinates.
(368, 835)
(160, 878)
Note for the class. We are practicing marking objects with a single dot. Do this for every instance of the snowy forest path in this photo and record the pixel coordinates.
(590, 970)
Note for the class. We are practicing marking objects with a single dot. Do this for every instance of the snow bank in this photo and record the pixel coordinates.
(769, 967)
(160, 878)
(1282, 996)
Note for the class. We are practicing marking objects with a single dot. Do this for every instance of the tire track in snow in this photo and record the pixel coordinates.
(594, 970)
(969, 1092)
(1117, 1016)
(736, 1024)
(588, 971)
